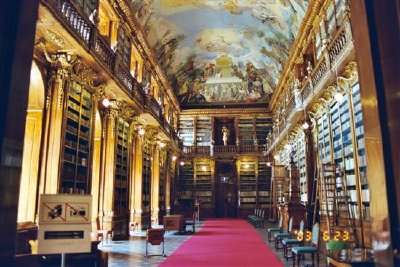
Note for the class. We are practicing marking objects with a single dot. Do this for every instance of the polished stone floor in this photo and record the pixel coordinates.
(131, 252)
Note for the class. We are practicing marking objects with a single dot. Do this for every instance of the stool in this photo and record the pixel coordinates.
(155, 237)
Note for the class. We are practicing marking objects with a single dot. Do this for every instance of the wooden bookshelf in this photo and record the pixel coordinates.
(186, 130)
(146, 185)
(263, 184)
(247, 183)
(203, 131)
(204, 181)
(121, 169)
(263, 127)
(246, 131)
(76, 155)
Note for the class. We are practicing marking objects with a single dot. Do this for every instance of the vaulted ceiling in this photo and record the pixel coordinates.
(221, 51)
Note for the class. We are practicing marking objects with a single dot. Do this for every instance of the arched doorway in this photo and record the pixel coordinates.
(226, 189)
(32, 143)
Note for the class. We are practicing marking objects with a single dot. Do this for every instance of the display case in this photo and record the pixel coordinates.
(246, 131)
(247, 184)
(76, 154)
(186, 131)
(203, 131)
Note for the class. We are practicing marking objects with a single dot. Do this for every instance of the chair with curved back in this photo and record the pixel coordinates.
(104, 234)
(279, 236)
(289, 242)
(272, 230)
(297, 252)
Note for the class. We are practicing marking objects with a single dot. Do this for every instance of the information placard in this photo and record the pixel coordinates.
(64, 224)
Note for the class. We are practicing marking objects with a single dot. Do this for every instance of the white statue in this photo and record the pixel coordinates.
(225, 135)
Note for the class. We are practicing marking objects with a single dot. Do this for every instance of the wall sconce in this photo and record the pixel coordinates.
(182, 163)
(247, 166)
(105, 102)
(141, 131)
(338, 96)
(174, 158)
(203, 168)
(305, 125)
(268, 163)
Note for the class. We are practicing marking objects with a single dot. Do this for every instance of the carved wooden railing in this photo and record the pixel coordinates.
(221, 150)
(71, 16)
(124, 77)
(319, 71)
(291, 105)
(103, 50)
(153, 107)
(340, 42)
(138, 92)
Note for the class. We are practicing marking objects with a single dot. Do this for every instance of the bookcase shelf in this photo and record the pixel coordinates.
(263, 127)
(186, 181)
(121, 168)
(186, 130)
(203, 173)
(146, 183)
(75, 170)
(203, 131)
(247, 184)
(263, 184)
(246, 131)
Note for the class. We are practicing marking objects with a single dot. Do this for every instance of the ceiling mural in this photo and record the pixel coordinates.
(221, 51)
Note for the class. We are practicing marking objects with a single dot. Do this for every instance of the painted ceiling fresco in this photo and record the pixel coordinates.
(221, 51)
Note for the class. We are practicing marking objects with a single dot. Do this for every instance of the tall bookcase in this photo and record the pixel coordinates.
(75, 170)
(204, 182)
(186, 130)
(246, 131)
(263, 127)
(121, 169)
(203, 131)
(247, 183)
(161, 187)
(263, 185)
(146, 185)
(121, 182)
(186, 183)
(360, 150)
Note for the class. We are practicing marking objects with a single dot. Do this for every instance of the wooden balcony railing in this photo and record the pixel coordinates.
(103, 50)
(224, 150)
(319, 71)
(153, 107)
(70, 15)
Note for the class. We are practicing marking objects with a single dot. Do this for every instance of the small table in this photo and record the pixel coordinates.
(174, 222)
(351, 257)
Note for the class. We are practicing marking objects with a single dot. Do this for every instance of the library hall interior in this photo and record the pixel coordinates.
(200, 133)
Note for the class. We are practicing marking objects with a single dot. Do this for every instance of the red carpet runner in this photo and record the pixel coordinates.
(224, 242)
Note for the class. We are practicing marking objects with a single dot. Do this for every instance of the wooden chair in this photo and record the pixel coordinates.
(272, 230)
(289, 242)
(297, 252)
(279, 236)
(104, 234)
(155, 237)
(259, 221)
